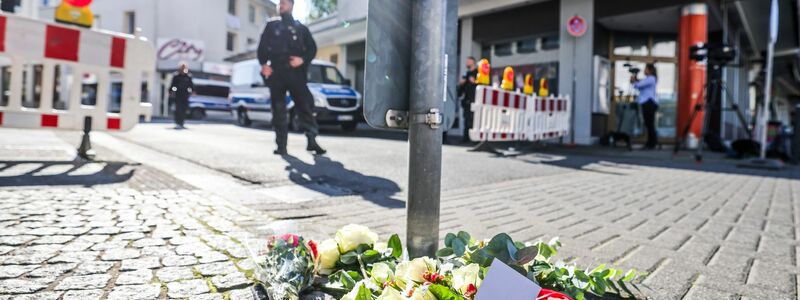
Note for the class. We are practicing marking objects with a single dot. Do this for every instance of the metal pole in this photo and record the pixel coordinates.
(773, 37)
(427, 94)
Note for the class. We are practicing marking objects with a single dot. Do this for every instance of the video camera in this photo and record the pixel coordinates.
(634, 71)
(714, 55)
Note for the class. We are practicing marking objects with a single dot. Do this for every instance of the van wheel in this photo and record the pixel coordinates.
(242, 119)
(197, 113)
(349, 126)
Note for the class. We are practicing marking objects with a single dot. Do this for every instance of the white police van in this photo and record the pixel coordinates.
(209, 95)
(335, 102)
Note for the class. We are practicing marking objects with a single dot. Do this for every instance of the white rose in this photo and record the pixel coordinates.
(414, 269)
(466, 275)
(420, 293)
(390, 293)
(381, 272)
(381, 247)
(328, 256)
(351, 236)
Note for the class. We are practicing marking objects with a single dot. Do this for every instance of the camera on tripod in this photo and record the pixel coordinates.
(714, 55)
(631, 69)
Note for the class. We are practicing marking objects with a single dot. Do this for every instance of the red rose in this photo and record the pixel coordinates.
(313, 246)
(291, 238)
(546, 294)
(471, 291)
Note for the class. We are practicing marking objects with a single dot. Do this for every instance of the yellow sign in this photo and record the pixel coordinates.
(81, 16)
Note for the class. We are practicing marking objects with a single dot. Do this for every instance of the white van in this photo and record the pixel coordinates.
(335, 102)
(209, 95)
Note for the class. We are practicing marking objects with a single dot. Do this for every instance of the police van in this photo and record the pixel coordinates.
(209, 95)
(335, 102)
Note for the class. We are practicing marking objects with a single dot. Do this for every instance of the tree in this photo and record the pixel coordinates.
(322, 8)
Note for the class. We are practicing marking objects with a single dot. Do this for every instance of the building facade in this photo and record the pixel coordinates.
(620, 36)
(202, 35)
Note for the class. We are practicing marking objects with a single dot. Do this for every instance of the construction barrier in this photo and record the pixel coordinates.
(54, 75)
(500, 116)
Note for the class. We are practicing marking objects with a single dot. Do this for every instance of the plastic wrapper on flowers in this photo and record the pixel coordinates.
(285, 266)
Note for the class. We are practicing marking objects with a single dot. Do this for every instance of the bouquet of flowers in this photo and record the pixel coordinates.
(288, 266)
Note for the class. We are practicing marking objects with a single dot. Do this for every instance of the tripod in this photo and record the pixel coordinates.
(710, 102)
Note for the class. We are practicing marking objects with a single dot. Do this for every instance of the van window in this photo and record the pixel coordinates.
(324, 74)
(212, 90)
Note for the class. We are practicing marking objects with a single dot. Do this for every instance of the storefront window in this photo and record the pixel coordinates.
(503, 49)
(664, 46)
(551, 42)
(526, 45)
(630, 44)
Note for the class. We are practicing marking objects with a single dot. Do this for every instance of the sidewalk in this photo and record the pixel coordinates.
(133, 232)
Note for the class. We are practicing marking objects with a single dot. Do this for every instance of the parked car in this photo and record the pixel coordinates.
(335, 101)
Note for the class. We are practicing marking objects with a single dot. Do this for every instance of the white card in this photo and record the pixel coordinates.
(502, 282)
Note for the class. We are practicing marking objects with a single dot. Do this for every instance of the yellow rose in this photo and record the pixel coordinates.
(351, 236)
(381, 272)
(328, 256)
(466, 275)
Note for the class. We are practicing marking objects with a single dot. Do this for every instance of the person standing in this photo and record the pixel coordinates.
(466, 87)
(648, 102)
(285, 51)
(181, 89)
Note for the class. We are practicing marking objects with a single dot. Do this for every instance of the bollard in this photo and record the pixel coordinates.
(484, 68)
(85, 149)
(528, 89)
(508, 79)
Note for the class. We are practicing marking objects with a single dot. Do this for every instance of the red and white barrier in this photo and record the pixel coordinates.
(500, 115)
(110, 58)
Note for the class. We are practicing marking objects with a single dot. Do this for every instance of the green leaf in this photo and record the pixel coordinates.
(459, 247)
(396, 245)
(363, 293)
(370, 256)
(481, 258)
(464, 236)
(355, 275)
(598, 269)
(624, 286)
(448, 239)
(526, 255)
(349, 258)
(443, 293)
(344, 279)
(444, 252)
(498, 247)
(630, 275)
(363, 248)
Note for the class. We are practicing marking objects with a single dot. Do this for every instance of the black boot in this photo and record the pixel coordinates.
(314, 147)
(280, 151)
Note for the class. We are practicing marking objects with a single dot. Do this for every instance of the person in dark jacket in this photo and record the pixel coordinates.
(285, 51)
(180, 89)
(466, 87)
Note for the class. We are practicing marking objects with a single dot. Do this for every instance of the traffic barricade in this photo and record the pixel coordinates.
(499, 115)
(54, 76)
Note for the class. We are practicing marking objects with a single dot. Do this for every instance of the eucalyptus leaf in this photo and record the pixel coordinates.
(444, 252)
(448, 239)
(526, 255)
(464, 236)
(458, 247)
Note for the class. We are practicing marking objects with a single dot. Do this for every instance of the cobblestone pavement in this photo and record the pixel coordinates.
(711, 234)
(113, 229)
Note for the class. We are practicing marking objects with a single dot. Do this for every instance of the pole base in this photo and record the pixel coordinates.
(763, 164)
(485, 147)
(85, 150)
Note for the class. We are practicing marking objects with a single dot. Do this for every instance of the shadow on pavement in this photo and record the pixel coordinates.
(54, 173)
(329, 177)
(579, 158)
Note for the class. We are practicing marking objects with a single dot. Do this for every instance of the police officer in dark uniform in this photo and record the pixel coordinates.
(181, 88)
(466, 88)
(285, 51)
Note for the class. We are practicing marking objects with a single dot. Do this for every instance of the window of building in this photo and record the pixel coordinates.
(664, 46)
(503, 49)
(335, 58)
(130, 22)
(251, 13)
(526, 45)
(551, 42)
(250, 41)
(631, 44)
(230, 43)
(232, 7)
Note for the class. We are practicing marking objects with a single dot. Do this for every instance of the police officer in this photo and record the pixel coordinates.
(466, 87)
(285, 51)
(181, 88)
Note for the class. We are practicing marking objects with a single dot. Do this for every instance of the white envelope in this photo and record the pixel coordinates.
(503, 283)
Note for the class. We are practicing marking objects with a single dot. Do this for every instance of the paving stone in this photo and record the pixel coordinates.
(183, 289)
(246, 264)
(231, 281)
(44, 231)
(77, 245)
(192, 249)
(74, 230)
(85, 282)
(20, 286)
(52, 270)
(29, 259)
(46, 280)
(131, 236)
(6, 249)
(170, 274)
(106, 230)
(75, 257)
(39, 296)
(214, 296)
(182, 240)
(242, 294)
(219, 268)
(135, 292)
(110, 245)
(140, 228)
(53, 239)
(140, 263)
(179, 261)
(120, 254)
(93, 267)
(149, 242)
(211, 256)
(162, 251)
(94, 238)
(14, 271)
(82, 295)
(135, 277)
